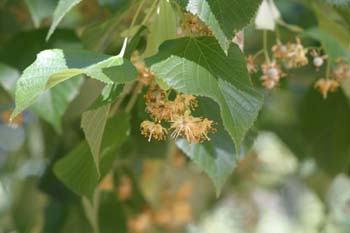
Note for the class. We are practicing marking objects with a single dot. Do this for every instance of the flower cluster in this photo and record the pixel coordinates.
(177, 114)
(294, 55)
(340, 72)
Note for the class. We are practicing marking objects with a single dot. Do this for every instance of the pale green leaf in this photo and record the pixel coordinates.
(162, 28)
(50, 106)
(238, 109)
(93, 123)
(63, 7)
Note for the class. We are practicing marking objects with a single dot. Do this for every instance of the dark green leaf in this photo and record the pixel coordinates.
(326, 130)
(78, 171)
(112, 218)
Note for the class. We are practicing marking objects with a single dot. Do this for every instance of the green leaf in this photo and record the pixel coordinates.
(326, 130)
(162, 28)
(333, 48)
(217, 157)
(93, 123)
(330, 22)
(78, 171)
(209, 72)
(224, 17)
(233, 15)
(52, 104)
(55, 66)
(202, 10)
(238, 109)
(63, 7)
(111, 215)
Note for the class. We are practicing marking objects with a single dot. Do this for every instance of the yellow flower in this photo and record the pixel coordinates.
(326, 85)
(193, 129)
(296, 55)
(280, 51)
(153, 130)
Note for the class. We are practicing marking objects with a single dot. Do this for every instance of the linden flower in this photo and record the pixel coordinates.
(272, 74)
(157, 105)
(153, 130)
(280, 51)
(251, 65)
(182, 103)
(326, 85)
(342, 70)
(296, 55)
(318, 60)
(194, 129)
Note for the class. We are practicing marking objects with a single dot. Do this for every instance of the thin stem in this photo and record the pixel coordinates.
(136, 14)
(290, 27)
(134, 96)
(266, 53)
(258, 54)
(91, 209)
(155, 3)
(328, 70)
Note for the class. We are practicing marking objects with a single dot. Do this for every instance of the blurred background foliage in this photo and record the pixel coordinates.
(294, 179)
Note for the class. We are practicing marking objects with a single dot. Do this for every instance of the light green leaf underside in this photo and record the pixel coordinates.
(55, 66)
(93, 123)
(238, 109)
(50, 106)
(217, 157)
(63, 7)
(203, 11)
